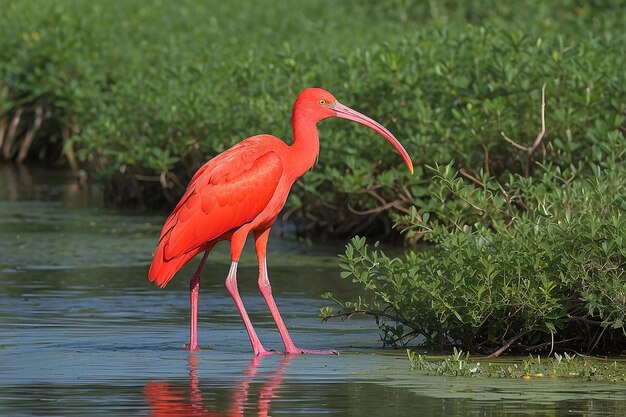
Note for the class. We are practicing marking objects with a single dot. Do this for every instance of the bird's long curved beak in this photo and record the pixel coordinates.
(345, 112)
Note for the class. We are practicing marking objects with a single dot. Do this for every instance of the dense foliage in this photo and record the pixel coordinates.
(528, 236)
(534, 263)
(143, 92)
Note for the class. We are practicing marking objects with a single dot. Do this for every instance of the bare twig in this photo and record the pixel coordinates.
(486, 158)
(471, 178)
(374, 194)
(598, 339)
(407, 193)
(163, 179)
(30, 135)
(546, 344)
(515, 144)
(552, 343)
(3, 126)
(8, 140)
(543, 122)
(506, 345)
(174, 178)
(383, 204)
(530, 150)
(375, 210)
(68, 149)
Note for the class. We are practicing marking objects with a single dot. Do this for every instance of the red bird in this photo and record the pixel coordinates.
(242, 191)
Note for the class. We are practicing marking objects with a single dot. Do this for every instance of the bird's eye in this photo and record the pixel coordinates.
(322, 102)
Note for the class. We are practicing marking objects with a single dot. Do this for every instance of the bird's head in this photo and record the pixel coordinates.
(318, 104)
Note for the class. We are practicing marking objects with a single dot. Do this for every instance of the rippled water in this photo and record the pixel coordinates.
(82, 331)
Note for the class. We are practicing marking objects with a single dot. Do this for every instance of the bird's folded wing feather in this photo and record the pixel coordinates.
(226, 193)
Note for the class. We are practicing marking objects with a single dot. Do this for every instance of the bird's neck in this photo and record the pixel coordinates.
(306, 143)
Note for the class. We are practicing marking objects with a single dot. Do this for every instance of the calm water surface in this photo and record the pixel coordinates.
(83, 332)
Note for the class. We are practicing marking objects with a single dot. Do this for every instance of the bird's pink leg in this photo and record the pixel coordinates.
(194, 290)
(266, 290)
(231, 286)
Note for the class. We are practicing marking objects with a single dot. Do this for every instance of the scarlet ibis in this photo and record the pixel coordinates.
(242, 191)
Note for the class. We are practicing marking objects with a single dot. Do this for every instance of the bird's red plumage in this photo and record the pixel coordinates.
(241, 191)
(227, 192)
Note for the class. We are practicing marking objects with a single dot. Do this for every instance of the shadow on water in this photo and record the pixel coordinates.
(83, 332)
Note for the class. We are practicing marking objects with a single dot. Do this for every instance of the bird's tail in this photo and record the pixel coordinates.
(162, 269)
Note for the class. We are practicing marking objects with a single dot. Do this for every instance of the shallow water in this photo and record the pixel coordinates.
(82, 331)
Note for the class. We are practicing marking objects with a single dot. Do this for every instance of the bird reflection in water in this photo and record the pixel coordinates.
(168, 399)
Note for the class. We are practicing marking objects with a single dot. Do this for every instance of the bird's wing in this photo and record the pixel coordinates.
(227, 192)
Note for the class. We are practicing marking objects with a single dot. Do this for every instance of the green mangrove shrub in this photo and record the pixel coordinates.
(530, 263)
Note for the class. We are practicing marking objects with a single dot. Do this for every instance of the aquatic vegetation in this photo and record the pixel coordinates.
(558, 366)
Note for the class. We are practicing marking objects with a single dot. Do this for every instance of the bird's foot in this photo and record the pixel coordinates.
(190, 348)
(298, 351)
(264, 352)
